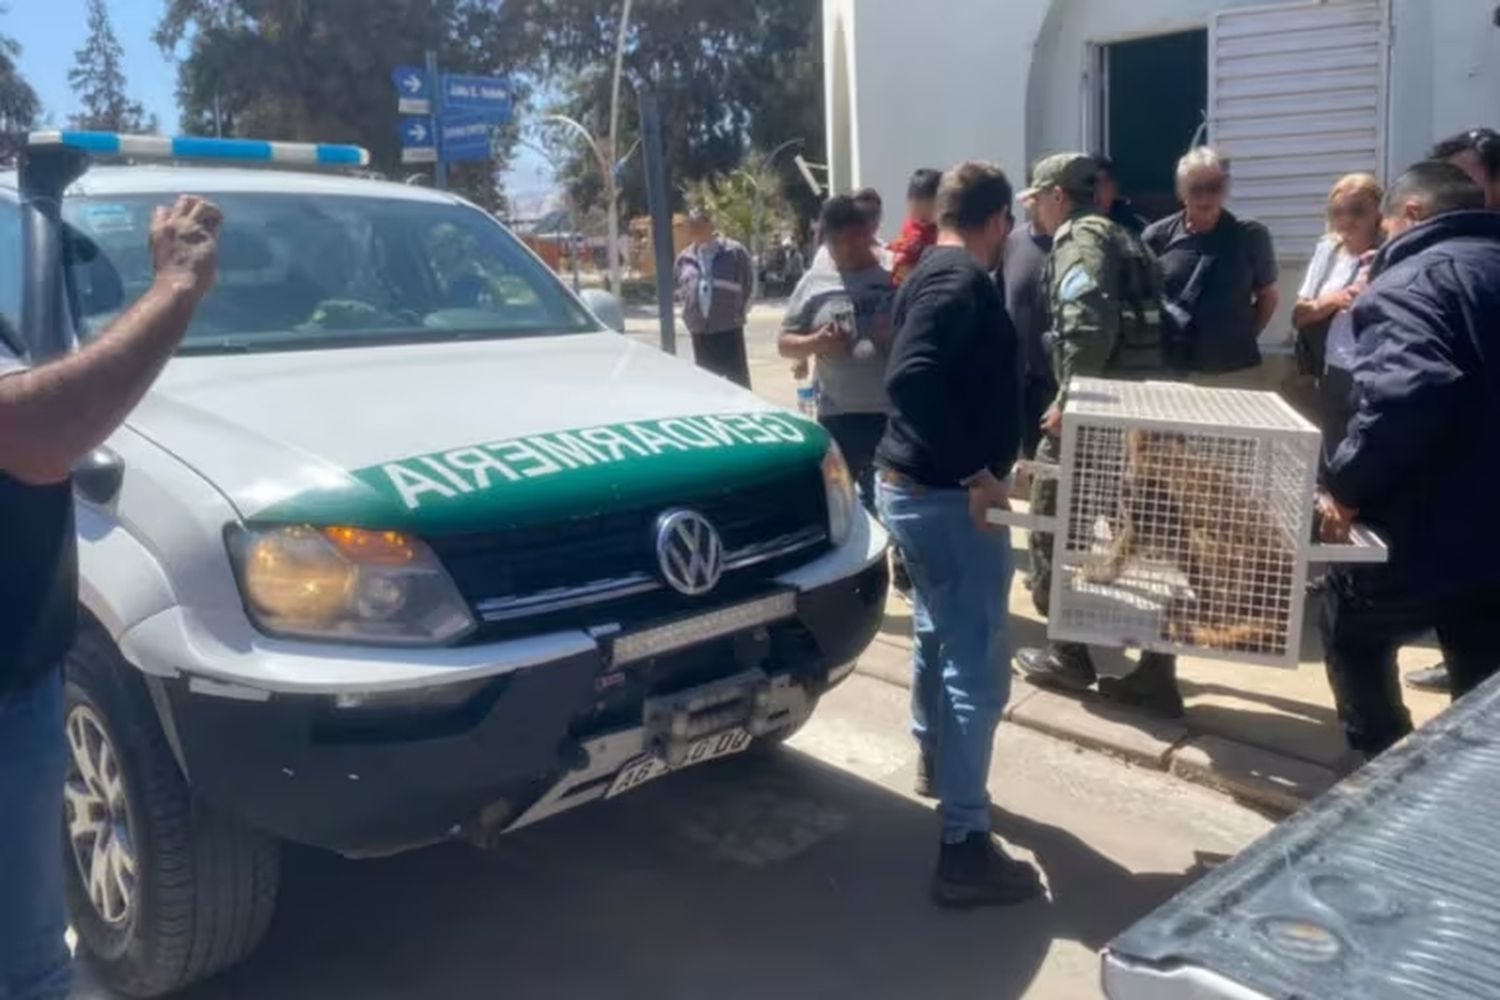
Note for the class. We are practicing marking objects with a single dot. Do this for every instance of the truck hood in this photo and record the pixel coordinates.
(459, 437)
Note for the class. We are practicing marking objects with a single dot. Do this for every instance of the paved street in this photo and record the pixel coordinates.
(803, 875)
(768, 371)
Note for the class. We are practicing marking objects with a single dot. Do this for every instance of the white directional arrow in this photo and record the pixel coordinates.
(418, 132)
(412, 83)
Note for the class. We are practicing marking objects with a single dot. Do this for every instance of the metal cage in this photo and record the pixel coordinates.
(1185, 521)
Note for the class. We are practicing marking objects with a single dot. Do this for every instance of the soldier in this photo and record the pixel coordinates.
(1103, 290)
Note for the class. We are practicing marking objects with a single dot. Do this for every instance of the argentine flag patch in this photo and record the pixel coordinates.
(1077, 283)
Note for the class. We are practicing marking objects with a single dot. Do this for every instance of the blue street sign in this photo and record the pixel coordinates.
(489, 95)
(415, 131)
(413, 90)
(418, 138)
(466, 137)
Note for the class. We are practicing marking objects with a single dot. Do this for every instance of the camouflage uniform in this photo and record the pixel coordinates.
(1104, 294)
(1083, 296)
(1104, 289)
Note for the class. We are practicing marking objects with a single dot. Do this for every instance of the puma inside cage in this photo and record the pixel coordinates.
(1185, 521)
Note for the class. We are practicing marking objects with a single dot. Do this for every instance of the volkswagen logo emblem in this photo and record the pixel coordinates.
(689, 552)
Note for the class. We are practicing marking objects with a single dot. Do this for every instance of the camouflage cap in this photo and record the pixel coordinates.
(1075, 173)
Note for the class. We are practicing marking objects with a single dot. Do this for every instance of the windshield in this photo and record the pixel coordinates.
(310, 271)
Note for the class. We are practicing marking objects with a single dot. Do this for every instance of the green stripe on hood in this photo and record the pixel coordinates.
(561, 474)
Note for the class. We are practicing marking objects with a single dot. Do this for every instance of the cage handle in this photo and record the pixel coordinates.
(1024, 520)
(1364, 546)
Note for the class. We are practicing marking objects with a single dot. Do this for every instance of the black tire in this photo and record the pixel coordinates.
(204, 885)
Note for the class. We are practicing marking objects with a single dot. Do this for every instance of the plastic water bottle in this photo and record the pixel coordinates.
(807, 395)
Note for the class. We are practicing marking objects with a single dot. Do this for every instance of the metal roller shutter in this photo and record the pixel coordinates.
(1297, 100)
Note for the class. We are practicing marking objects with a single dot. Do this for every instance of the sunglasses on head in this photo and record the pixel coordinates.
(1481, 140)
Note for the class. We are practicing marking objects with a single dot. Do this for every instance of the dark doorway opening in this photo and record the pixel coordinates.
(1154, 99)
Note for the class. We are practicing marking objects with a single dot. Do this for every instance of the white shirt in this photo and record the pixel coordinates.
(1331, 268)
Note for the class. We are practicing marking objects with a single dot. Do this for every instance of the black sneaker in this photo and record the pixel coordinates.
(1048, 668)
(924, 786)
(976, 872)
(1431, 679)
(1152, 687)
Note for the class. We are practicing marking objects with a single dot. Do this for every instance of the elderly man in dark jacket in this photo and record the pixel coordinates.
(1419, 460)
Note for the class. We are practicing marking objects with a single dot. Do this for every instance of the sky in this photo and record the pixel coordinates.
(50, 31)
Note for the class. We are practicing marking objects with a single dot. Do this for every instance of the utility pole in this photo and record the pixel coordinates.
(439, 166)
(661, 217)
(611, 180)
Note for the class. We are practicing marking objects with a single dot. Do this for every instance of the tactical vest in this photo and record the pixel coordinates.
(1139, 350)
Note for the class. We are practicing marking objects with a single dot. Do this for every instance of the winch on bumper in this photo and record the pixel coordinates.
(393, 770)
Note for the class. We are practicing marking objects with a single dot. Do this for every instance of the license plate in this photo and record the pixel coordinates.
(650, 767)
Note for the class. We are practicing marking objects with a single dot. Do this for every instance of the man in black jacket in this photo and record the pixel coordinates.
(954, 382)
(1477, 153)
(1420, 459)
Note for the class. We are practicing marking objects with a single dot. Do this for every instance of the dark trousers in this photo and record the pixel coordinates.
(34, 959)
(723, 354)
(1367, 617)
(858, 435)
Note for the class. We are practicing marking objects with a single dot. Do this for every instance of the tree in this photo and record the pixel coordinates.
(99, 80)
(728, 75)
(321, 71)
(731, 199)
(18, 102)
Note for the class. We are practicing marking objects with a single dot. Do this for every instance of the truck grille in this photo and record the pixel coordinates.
(603, 567)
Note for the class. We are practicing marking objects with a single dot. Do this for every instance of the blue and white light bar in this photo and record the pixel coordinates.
(189, 147)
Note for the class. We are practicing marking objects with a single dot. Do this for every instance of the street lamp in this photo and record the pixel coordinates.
(759, 210)
(607, 163)
(567, 195)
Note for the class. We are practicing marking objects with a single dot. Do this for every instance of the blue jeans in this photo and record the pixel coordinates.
(34, 959)
(960, 577)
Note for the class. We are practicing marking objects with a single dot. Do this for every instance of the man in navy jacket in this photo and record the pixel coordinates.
(1419, 460)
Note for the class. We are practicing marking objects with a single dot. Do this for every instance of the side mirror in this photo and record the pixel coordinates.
(605, 307)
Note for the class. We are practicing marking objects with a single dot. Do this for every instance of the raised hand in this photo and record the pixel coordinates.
(185, 243)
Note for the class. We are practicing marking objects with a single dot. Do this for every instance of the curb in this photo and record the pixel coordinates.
(1271, 781)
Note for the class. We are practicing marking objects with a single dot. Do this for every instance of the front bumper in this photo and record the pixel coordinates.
(380, 773)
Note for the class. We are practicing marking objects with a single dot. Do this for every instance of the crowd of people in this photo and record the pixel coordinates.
(945, 357)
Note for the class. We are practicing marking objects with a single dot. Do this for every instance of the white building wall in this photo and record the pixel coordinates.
(1444, 76)
(932, 82)
(936, 81)
(1445, 73)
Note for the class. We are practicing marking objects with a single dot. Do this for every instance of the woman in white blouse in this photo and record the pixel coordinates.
(1336, 274)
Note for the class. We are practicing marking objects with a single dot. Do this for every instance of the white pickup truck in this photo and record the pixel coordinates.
(404, 546)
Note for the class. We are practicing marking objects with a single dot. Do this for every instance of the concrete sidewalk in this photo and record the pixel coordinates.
(1266, 735)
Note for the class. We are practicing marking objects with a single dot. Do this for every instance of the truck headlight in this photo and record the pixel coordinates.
(346, 583)
(838, 485)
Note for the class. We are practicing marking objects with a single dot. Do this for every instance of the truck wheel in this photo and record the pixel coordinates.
(162, 888)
